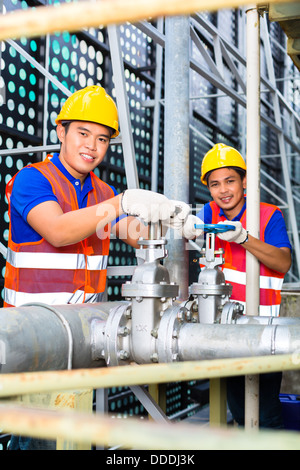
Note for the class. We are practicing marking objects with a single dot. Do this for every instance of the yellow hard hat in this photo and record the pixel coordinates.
(220, 156)
(93, 104)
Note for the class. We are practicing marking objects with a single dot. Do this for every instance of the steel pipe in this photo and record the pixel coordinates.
(196, 341)
(39, 337)
(262, 320)
(43, 337)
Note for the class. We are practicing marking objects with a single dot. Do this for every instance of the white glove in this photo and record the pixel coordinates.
(177, 220)
(239, 235)
(148, 205)
(183, 222)
(189, 231)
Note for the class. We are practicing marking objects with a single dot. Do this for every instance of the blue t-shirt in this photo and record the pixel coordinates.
(275, 231)
(32, 188)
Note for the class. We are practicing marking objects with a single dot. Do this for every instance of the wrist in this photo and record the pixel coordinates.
(121, 202)
(246, 238)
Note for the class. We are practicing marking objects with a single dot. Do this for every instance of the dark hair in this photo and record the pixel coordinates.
(66, 125)
(239, 170)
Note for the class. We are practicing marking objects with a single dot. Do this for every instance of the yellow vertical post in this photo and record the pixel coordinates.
(81, 400)
(217, 402)
(78, 400)
(158, 393)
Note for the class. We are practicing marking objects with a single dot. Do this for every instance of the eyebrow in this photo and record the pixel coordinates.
(224, 179)
(98, 135)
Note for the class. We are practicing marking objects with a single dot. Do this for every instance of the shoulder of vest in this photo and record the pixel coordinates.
(42, 163)
(269, 207)
(100, 183)
(213, 205)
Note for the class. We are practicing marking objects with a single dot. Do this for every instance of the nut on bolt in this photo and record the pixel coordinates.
(123, 355)
(154, 357)
(154, 333)
(180, 315)
(123, 331)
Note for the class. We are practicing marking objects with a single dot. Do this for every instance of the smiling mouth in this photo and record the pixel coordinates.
(87, 158)
(226, 199)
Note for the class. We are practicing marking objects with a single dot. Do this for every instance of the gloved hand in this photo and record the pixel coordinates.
(183, 222)
(177, 220)
(189, 231)
(239, 235)
(148, 205)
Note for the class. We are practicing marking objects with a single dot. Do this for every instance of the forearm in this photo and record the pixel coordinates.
(271, 256)
(71, 227)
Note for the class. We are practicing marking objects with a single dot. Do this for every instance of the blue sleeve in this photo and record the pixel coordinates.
(121, 216)
(30, 189)
(114, 190)
(276, 233)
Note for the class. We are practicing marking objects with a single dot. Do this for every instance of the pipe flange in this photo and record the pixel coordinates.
(168, 333)
(116, 332)
(205, 289)
(135, 289)
(230, 311)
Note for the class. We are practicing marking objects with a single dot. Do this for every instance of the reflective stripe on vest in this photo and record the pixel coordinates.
(37, 260)
(75, 273)
(265, 282)
(12, 298)
(235, 265)
(270, 288)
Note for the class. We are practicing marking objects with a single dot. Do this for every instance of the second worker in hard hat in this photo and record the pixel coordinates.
(224, 173)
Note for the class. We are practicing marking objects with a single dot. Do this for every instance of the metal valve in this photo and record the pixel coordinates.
(211, 289)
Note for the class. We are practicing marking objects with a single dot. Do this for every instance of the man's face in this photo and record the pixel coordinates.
(83, 147)
(227, 190)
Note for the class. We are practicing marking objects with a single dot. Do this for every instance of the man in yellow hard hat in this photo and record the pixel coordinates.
(60, 206)
(224, 173)
(62, 214)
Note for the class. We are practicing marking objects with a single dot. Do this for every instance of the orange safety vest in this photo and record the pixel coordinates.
(234, 267)
(40, 272)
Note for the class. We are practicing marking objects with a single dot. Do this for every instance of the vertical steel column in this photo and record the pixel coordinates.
(281, 144)
(157, 109)
(176, 136)
(123, 107)
(253, 196)
(46, 89)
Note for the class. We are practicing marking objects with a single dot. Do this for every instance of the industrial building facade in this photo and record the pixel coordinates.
(37, 75)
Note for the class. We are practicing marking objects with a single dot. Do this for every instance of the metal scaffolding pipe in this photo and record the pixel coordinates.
(253, 195)
(75, 16)
(176, 137)
(253, 156)
(134, 433)
(122, 376)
